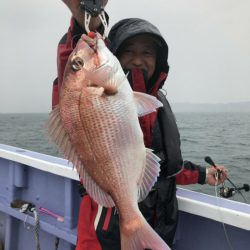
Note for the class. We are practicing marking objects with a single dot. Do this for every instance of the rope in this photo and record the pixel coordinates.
(36, 228)
(30, 207)
(25, 207)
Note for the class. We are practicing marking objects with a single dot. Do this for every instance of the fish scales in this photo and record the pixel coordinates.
(102, 135)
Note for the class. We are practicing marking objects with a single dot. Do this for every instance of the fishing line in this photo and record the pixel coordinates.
(220, 212)
(217, 177)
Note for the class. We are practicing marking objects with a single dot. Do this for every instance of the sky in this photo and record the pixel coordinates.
(209, 48)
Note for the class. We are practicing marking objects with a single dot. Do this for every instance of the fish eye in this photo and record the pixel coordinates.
(77, 63)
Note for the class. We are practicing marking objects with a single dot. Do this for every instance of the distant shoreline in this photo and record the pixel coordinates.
(242, 107)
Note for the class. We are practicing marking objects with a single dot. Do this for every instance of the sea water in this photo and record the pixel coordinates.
(225, 137)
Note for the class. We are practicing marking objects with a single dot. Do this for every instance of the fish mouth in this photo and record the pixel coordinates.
(77, 63)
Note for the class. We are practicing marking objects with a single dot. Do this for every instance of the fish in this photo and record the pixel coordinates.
(96, 127)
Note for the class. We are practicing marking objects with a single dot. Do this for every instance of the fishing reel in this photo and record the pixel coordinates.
(227, 192)
(224, 191)
(94, 8)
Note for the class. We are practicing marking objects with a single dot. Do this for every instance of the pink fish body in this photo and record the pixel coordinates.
(96, 127)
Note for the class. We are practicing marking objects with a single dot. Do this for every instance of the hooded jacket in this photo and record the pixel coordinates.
(130, 27)
(164, 135)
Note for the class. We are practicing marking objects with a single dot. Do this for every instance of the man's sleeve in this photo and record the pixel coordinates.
(191, 174)
(64, 49)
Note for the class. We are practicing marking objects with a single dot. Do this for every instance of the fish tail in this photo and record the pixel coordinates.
(139, 235)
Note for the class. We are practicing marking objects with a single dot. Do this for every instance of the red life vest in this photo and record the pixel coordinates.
(147, 122)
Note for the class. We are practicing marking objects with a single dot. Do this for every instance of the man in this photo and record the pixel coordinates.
(143, 54)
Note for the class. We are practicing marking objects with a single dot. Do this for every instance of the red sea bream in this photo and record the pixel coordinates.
(96, 127)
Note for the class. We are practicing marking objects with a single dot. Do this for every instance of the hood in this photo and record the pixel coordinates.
(130, 27)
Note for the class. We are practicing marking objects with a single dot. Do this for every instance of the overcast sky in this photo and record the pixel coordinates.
(209, 48)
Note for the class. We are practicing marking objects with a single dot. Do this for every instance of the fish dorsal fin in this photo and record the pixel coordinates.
(145, 103)
(59, 136)
(150, 175)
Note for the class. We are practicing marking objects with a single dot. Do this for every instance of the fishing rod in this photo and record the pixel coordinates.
(227, 192)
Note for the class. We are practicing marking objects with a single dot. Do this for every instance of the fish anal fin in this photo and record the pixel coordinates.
(149, 176)
(95, 191)
(145, 103)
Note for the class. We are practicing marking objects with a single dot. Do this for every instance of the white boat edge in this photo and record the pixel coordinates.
(226, 211)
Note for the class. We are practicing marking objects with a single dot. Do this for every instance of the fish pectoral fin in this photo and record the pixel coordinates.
(95, 191)
(146, 104)
(149, 177)
(95, 90)
(104, 77)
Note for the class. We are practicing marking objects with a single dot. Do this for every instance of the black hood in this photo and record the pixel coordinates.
(130, 27)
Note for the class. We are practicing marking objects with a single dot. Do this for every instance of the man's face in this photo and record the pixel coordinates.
(139, 52)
